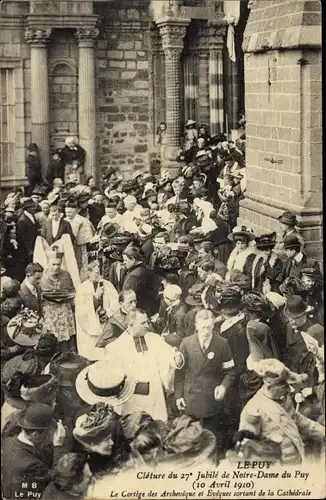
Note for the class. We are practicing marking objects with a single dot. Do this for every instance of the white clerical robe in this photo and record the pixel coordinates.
(88, 326)
(152, 366)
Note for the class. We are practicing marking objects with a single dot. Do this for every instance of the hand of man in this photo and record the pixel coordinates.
(181, 404)
(59, 435)
(219, 393)
(99, 292)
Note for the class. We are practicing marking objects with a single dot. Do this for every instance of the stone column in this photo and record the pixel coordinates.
(38, 38)
(172, 31)
(86, 96)
(203, 101)
(216, 86)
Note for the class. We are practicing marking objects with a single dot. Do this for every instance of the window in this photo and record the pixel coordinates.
(7, 123)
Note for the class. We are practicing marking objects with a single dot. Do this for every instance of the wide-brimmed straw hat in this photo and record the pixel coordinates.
(241, 231)
(104, 382)
(190, 122)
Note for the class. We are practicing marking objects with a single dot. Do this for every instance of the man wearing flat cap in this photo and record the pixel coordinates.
(28, 457)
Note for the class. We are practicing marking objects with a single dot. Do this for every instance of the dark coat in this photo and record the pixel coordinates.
(294, 269)
(148, 249)
(56, 170)
(296, 355)
(186, 280)
(64, 228)
(27, 233)
(113, 328)
(51, 492)
(197, 380)
(34, 170)
(146, 284)
(112, 276)
(96, 212)
(69, 155)
(29, 300)
(173, 323)
(24, 463)
(248, 382)
(259, 272)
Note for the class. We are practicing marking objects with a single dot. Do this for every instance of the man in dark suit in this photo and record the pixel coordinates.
(172, 315)
(296, 259)
(56, 225)
(27, 231)
(30, 291)
(207, 374)
(142, 280)
(29, 456)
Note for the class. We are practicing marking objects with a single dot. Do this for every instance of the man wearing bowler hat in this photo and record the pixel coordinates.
(288, 222)
(296, 259)
(298, 353)
(28, 457)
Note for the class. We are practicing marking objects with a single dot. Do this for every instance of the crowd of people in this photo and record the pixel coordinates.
(141, 326)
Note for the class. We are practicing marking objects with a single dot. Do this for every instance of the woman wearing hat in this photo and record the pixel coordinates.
(264, 268)
(58, 293)
(242, 237)
(190, 135)
(100, 433)
(14, 372)
(271, 413)
(260, 336)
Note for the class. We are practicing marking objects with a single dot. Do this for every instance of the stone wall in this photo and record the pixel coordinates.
(14, 55)
(284, 117)
(123, 86)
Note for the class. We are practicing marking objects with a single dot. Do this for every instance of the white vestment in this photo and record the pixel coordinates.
(88, 326)
(64, 245)
(153, 366)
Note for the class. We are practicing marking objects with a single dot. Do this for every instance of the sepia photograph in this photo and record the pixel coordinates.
(161, 250)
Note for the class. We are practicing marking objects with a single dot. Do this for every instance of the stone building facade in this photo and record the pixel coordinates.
(283, 71)
(109, 72)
